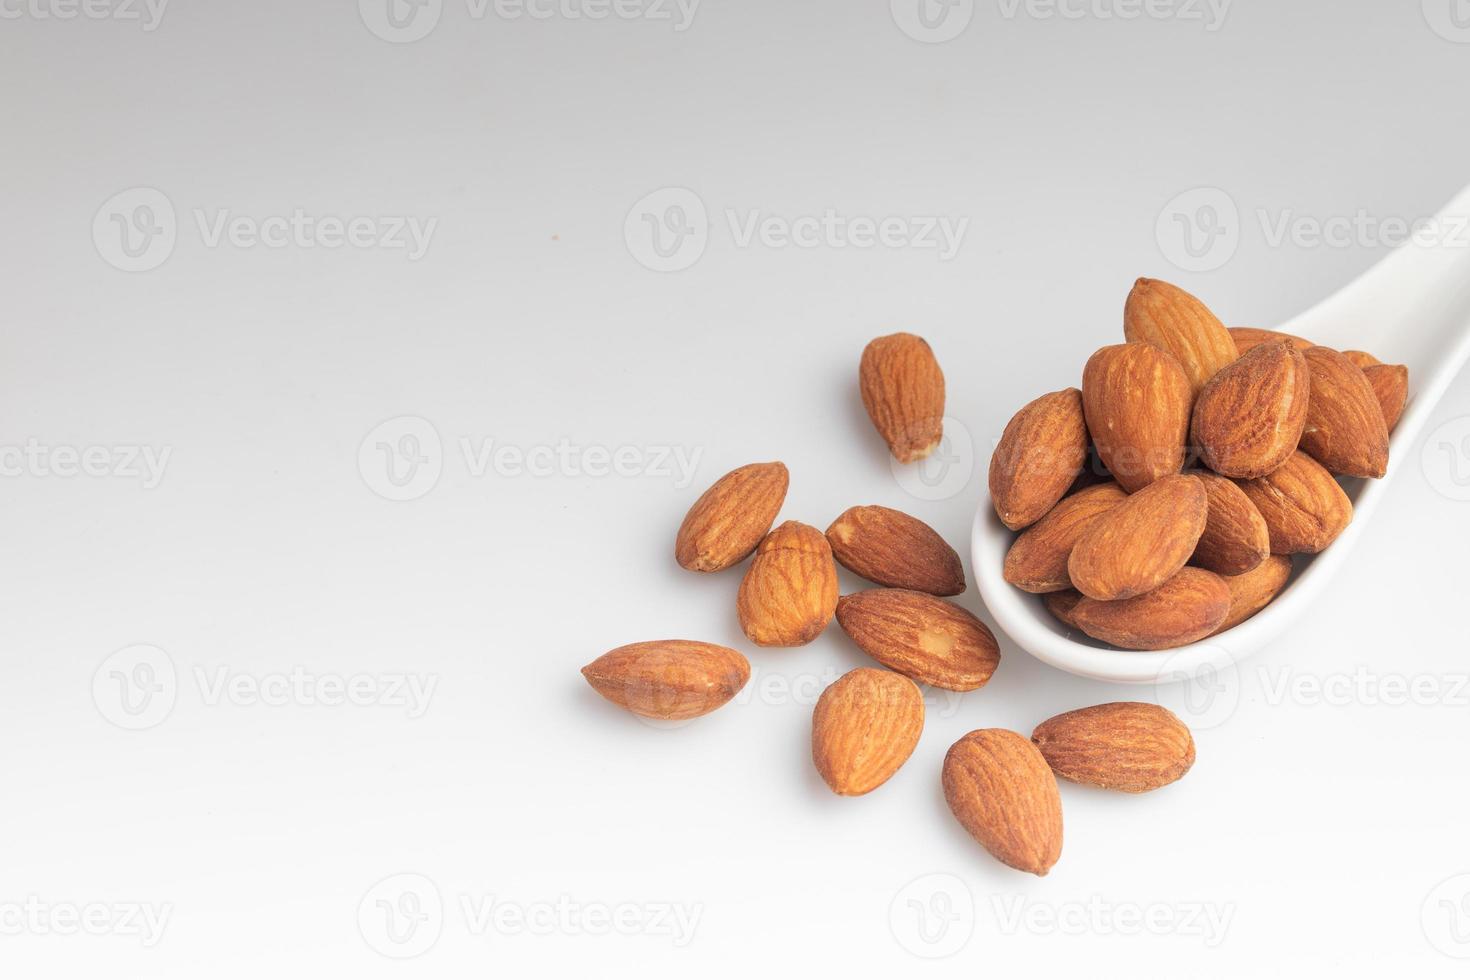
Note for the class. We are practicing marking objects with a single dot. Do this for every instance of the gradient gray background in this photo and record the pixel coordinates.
(1325, 829)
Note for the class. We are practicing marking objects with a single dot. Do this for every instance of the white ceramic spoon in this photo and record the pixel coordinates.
(1412, 308)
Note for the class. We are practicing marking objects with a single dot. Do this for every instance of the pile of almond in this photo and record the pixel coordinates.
(1214, 455)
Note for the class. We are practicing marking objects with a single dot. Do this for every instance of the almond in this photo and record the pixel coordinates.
(789, 593)
(1037, 561)
(903, 391)
(1061, 604)
(864, 728)
(1126, 745)
(1345, 431)
(930, 640)
(730, 518)
(669, 679)
(1360, 358)
(1254, 590)
(1136, 399)
(1166, 316)
(1250, 416)
(1001, 790)
(1235, 538)
(1039, 455)
(1142, 542)
(1247, 337)
(891, 548)
(1391, 387)
(1303, 507)
(1188, 607)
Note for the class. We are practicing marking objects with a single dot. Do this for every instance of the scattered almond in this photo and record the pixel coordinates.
(1142, 542)
(1303, 507)
(890, 548)
(1345, 430)
(1188, 607)
(1247, 337)
(930, 640)
(669, 679)
(1136, 399)
(903, 390)
(1039, 455)
(864, 729)
(1235, 538)
(1037, 561)
(1125, 745)
(1254, 590)
(730, 518)
(1250, 416)
(789, 593)
(1001, 790)
(1166, 316)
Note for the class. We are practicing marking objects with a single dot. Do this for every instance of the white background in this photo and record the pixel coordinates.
(1327, 831)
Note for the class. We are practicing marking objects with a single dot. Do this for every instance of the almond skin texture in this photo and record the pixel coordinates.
(1345, 431)
(1037, 561)
(1303, 507)
(1247, 337)
(930, 640)
(1061, 604)
(789, 593)
(903, 391)
(1126, 745)
(1250, 416)
(1391, 387)
(1235, 538)
(1142, 542)
(1001, 790)
(890, 548)
(1039, 455)
(669, 679)
(1188, 607)
(730, 518)
(1166, 316)
(1253, 591)
(865, 727)
(1137, 399)
(1361, 358)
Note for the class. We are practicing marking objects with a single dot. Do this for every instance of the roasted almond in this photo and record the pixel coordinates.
(1039, 455)
(1235, 538)
(890, 548)
(1136, 399)
(1391, 387)
(1037, 561)
(930, 640)
(864, 729)
(903, 390)
(1142, 542)
(1345, 430)
(1061, 604)
(669, 679)
(1249, 417)
(1125, 745)
(1188, 607)
(1247, 337)
(730, 518)
(789, 593)
(1166, 316)
(1303, 507)
(1001, 790)
(1254, 590)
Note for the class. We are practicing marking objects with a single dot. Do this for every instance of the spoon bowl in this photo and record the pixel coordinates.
(1412, 308)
